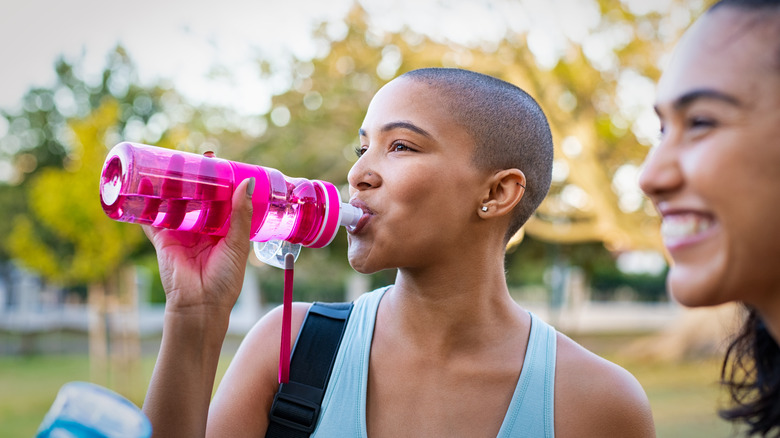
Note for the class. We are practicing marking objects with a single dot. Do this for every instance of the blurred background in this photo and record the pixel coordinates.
(286, 85)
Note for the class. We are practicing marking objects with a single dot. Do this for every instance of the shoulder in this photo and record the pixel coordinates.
(250, 382)
(595, 397)
(268, 330)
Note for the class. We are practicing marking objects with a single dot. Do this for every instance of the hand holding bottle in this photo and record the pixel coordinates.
(201, 271)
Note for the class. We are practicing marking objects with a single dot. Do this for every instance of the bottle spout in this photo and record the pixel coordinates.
(350, 215)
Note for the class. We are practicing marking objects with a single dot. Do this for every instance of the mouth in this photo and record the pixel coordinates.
(680, 229)
(363, 221)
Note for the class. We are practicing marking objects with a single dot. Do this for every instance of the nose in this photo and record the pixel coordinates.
(662, 173)
(362, 176)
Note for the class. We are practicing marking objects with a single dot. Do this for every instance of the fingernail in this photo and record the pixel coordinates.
(250, 188)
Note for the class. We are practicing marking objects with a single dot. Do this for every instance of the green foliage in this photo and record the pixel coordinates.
(84, 245)
(50, 214)
(529, 262)
(50, 207)
(311, 132)
(611, 284)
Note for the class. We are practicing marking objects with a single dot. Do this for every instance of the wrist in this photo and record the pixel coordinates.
(199, 326)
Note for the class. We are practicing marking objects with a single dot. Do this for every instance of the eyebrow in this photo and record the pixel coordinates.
(690, 97)
(400, 125)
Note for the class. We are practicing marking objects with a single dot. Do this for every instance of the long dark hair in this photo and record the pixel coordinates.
(751, 371)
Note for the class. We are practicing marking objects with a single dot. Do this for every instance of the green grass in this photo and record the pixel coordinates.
(683, 396)
(28, 386)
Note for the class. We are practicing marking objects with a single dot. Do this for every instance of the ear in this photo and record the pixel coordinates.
(506, 189)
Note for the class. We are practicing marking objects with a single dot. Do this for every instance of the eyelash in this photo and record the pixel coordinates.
(359, 151)
(701, 122)
(394, 147)
(693, 123)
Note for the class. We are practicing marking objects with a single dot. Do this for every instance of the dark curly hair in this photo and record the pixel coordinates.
(751, 371)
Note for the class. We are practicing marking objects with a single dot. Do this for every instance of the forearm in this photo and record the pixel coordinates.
(179, 393)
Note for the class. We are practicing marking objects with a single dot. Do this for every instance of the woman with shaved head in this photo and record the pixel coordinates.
(451, 164)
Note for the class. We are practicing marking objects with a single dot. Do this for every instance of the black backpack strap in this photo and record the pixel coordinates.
(296, 406)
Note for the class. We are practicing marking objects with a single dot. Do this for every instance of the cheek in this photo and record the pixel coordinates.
(445, 203)
(419, 188)
(718, 176)
(754, 248)
(706, 166)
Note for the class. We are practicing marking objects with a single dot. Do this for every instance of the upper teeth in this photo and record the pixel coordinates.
(679, 226)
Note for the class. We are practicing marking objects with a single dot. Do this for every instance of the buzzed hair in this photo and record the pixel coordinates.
(507, 125)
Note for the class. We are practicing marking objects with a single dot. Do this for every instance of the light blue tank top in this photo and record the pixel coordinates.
(530, 413)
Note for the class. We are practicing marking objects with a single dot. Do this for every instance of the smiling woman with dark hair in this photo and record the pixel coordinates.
(715, 179)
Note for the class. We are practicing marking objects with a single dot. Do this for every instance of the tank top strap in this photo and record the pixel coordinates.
(344, 404)
(531, 412)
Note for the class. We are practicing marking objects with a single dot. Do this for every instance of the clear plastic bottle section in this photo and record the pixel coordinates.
(178, 190)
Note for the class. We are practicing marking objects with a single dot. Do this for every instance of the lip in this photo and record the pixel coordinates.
(684, 228)
(363, 221)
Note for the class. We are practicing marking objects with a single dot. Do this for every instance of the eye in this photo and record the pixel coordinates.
(359, 151)
(697, 122)
(400, 147)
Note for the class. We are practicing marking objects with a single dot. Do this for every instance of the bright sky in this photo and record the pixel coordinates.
(175, 39)
(182, 39)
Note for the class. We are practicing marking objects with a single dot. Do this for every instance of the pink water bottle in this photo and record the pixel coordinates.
(183, 191)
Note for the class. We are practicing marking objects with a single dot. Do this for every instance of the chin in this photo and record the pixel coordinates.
(361, 268)
(695, 289)
(360, 263)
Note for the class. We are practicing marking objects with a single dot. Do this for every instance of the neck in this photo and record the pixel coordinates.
(770, 316)
(472, 271)
(452, 305)
(767, 305)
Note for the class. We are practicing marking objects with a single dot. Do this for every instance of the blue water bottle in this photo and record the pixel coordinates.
(86, 410)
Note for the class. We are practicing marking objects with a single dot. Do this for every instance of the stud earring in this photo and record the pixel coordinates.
(484, 208)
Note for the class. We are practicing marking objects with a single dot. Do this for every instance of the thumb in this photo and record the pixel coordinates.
(241, 215)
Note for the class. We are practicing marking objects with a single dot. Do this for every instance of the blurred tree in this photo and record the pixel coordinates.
(599, 137)
(40, 142)
(57, 227)
(311, 129)
(64, 210)
(50, 216)
(587, 95)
